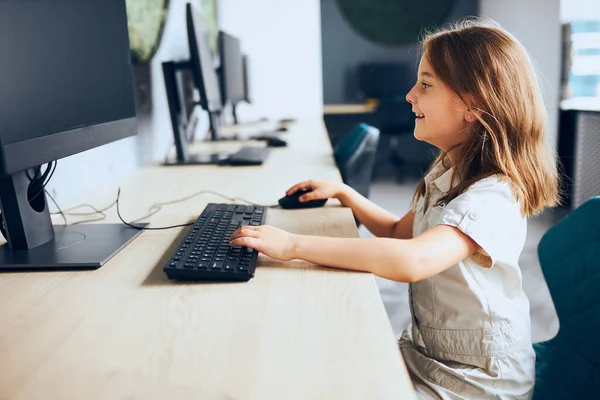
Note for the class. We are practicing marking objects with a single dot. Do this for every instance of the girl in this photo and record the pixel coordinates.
(478, 101)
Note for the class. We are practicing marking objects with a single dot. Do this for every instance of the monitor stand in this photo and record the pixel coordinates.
(34, 244)
(182, 155)
(73, 247)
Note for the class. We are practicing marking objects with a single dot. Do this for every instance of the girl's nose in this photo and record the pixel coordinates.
(410, 97)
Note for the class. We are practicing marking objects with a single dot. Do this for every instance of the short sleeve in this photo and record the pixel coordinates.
(489, 214)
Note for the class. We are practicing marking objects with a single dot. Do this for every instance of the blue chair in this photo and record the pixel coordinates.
(568, 365)
(355, 157)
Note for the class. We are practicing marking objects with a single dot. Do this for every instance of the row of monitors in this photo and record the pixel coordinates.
(231, 84)
(67, 87)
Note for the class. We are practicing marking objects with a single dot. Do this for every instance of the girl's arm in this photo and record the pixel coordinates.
(378, 221)
(404, 260)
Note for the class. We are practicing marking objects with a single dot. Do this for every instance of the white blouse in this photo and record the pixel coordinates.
(471, 332)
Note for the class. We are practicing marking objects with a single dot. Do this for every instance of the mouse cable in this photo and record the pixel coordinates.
(144, 227)
(155, 208)
(158, 206)
(57, 207)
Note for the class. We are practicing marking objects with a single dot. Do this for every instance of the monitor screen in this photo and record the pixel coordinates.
(232, 71)
(201, 60)
(65, 65)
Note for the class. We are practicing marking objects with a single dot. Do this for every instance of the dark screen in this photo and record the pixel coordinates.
(64, 64)
(231, 68)
(201, 59)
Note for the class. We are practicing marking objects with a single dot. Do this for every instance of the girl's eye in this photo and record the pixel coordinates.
(425, 85)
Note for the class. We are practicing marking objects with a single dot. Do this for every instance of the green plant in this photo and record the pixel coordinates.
(209, 11)
(145, 19)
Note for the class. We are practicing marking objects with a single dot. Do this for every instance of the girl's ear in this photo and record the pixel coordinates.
(472, 113)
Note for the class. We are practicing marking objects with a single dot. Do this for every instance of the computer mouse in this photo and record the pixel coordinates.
(293, 201)
(271, 139)
(275, 142)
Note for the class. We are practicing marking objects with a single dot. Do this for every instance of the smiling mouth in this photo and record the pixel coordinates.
(419, 116)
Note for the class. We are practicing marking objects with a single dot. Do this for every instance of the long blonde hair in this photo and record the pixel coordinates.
(479, 60)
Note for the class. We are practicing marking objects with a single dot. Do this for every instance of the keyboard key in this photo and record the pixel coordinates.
(230, 266)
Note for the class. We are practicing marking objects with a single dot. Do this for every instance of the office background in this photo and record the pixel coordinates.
(302, 53)
(283, 39)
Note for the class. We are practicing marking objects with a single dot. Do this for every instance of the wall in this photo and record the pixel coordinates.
(283, 41)
(536, 24)
(571, 10)
(344, 50)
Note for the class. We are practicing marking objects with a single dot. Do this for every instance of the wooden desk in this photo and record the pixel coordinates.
(348, 109)
(295, 331)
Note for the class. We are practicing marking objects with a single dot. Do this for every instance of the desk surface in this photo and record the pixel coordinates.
(348, 109)
(124, 331)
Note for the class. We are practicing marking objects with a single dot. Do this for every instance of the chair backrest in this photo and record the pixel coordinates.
(355, 157)
(568, 366)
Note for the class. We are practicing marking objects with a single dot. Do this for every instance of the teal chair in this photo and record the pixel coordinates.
(568, 366)
(355, 157)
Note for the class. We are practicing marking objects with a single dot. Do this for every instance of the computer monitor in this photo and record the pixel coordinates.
(205, 77)
(206, 82)
(65, 87)
(231, 71)
(247, 85)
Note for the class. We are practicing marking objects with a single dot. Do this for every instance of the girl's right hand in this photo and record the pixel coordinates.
(318, 190)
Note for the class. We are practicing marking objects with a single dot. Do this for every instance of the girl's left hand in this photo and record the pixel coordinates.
(271, 241)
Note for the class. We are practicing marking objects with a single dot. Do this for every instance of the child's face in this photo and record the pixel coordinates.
(441, 114)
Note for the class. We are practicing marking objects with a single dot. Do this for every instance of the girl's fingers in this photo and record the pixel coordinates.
(246, 231)
(299, 186)
(293, 189)
(245, 242)
(314, 195)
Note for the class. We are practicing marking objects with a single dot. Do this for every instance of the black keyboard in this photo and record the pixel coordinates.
(205, 253)
(248, 156)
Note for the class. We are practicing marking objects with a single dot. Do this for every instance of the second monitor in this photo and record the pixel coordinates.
(231, 72)
(207, 83)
